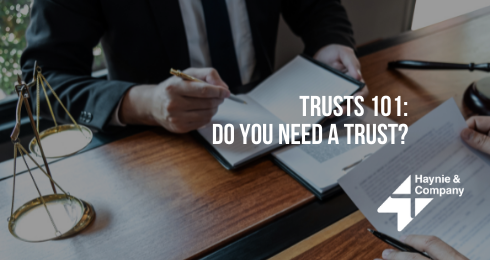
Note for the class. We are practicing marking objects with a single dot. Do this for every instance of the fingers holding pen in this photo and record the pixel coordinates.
(182, 87)
(209, 75)
(183, 105)
(392, 254)
(435, 247)
(187, 121)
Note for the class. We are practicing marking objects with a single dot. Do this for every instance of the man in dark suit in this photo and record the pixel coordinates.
(142, 40)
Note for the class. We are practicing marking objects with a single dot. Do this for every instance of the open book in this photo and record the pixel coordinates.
(319, 166)
(275, 101)
(433, 148)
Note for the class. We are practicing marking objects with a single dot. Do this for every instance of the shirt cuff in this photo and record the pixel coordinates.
(115, 116)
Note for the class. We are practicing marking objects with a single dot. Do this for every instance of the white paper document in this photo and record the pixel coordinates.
(432, 148)
(321, 165)
(275, 101)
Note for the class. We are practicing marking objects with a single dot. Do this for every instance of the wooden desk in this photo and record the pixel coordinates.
(157, 196)
(423, 90)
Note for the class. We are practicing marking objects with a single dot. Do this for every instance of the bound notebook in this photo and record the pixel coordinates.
(275, 101)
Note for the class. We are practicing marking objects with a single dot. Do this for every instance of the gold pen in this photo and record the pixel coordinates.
(182, 75)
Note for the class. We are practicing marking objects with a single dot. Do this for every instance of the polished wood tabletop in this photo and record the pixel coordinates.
(335, 242)
(463, 42)
(157, 196)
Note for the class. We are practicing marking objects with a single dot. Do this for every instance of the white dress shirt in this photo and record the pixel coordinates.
(197, 41)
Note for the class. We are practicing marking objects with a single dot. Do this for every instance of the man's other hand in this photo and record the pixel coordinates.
(477, 135)
(343, 59)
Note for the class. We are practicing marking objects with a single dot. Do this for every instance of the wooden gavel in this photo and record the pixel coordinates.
(476, 97)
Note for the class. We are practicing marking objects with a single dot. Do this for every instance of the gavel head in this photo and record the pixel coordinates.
(477, 97)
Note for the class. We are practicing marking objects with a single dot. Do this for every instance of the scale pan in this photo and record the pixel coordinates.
(31, 222)
(61, 141)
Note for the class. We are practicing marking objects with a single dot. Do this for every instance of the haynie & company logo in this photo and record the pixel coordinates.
(403, 206)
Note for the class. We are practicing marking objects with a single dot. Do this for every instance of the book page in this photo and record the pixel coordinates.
(433, 147)
(280, 92)
(321, 165)
(231, 112)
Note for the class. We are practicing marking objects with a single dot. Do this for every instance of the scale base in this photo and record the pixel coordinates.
(32, 223)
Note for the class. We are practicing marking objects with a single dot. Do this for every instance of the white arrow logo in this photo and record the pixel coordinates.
(403, 206)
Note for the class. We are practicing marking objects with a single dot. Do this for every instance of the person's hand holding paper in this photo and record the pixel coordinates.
(477, 135)
(433, 148)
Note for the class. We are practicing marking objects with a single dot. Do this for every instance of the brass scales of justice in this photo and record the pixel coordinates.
(54, 216)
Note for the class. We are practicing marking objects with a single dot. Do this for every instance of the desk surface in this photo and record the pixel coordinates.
(423, 90)
(157, 196)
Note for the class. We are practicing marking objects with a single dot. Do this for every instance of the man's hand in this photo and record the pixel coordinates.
(343, 59)
(435, 247)
(477, 135)
(176, 104)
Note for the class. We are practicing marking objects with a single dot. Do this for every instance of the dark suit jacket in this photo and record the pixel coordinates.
(142, 40)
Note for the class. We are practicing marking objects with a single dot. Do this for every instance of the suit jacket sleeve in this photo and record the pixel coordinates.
(318, 23)
(61, 37)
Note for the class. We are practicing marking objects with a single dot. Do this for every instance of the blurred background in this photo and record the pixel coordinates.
(372, 20)
(14, 19)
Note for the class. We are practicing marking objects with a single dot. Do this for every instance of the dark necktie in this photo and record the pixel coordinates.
(220, 40)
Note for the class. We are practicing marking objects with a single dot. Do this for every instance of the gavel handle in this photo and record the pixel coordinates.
(428, 65)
